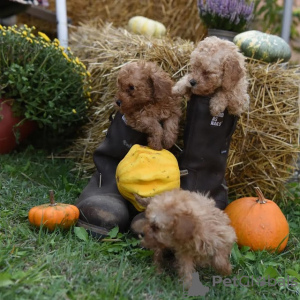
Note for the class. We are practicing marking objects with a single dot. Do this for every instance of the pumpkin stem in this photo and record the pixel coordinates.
(52, 202)
(261, 199)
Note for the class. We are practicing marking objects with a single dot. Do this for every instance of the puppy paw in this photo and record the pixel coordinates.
(222, 264)
(215, 112)
(215, 107)
(187, 281)
(235, 111)
(182, 87)
(238, 106)
(168, 142)
(175, 91)
(154, 143)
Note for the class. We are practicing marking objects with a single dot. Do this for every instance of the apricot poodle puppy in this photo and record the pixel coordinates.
(145, 98)
(189, 224)
(217, 70)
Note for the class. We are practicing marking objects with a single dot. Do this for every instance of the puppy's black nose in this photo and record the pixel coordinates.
(193, 82)
(118, 102)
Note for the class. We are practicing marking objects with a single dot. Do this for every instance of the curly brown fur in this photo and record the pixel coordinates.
(189, 224)
(145, 98)
(217, 69)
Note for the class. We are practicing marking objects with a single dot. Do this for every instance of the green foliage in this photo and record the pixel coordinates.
(268, 18)
(294, 190)
(268, 14)
(47, 83)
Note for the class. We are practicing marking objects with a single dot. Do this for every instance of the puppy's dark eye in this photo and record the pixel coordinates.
(131, 87)
(206, 73)
(154, 227)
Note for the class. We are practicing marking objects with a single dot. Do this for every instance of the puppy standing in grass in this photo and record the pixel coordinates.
(188, 224)
(145, 98)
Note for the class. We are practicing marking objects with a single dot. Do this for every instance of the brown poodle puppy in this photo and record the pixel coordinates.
(145, 98)
(217, 70)
(189, 224)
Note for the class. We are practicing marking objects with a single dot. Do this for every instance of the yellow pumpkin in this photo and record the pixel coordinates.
(53, 214)
(259, 223)
(145, 26)
(146, 172)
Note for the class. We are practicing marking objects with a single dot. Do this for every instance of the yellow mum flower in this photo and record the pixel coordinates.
(74, 111)
(44, 36)
(56, 41)
(24, 32)
(88, 73)
(32, 35)
(29, 39)
(65, 55)
(4, 33)
(77, 60)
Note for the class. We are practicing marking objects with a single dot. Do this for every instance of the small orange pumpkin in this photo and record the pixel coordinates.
(259, 223)
(53, 214)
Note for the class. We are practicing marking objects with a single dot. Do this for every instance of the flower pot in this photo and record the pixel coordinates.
(12, 134)
(222, 34)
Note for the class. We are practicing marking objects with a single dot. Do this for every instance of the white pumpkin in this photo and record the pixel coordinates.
(145, 26)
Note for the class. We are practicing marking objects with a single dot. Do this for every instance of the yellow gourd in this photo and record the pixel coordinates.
(145, 26)
(146, 172)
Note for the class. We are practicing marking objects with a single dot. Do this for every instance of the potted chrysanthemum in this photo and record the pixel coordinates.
(225, 16)
(41, 82)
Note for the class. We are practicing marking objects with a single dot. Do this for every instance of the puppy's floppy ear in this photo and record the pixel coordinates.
(184, 228)
(162, 84)
(232, 72)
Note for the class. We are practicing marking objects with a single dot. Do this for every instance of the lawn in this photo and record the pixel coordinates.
(36, 264)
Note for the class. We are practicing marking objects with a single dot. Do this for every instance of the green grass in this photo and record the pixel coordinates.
(36, 264)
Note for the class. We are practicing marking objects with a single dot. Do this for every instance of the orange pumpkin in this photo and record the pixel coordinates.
(259, 223)
(53, 214)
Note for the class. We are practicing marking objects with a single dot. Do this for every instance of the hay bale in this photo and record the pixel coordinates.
(265, 145)
(179, 16)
